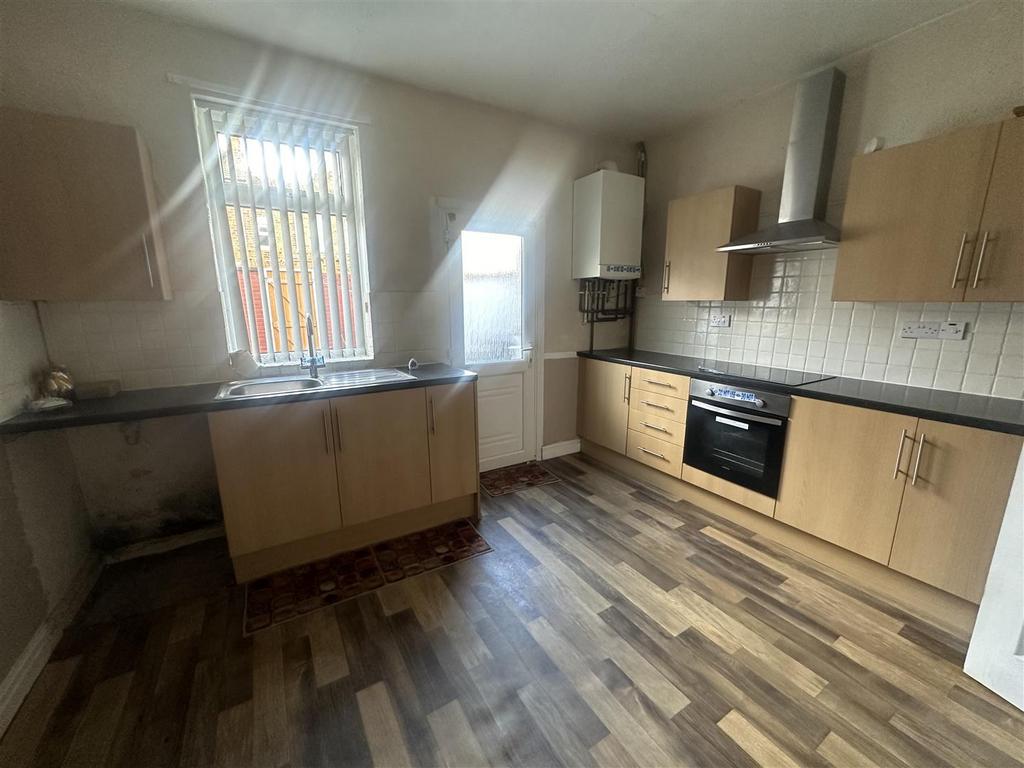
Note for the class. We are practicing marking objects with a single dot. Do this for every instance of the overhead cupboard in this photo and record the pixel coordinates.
(938, 220)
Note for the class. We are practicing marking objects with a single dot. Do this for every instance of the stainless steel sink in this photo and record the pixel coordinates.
(290, 385)
(275, 385)
(346, 379)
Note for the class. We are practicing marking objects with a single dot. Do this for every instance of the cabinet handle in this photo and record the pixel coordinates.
(430, 415)
(323, 420)
(668, 276)
(627, 387)
(654, 453)
(899, 454)
(149, 266)
(981, 258)
(337, 431)
(959, 258)
(660, 383)
(917, 461)
(655, 427)
(656, 405)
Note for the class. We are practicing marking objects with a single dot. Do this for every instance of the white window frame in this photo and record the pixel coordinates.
(214, 114)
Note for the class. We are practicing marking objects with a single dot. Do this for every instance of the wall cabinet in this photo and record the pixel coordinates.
(381, 454)
(81, 220)
(843, 474)
(953, 506)
(924, 497)
(697, 225)
(276, 474)
(451, 435)
(604, 403)
(937, 220)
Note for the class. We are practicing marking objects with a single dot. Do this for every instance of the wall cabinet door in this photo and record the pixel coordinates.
(80, 215)
(997, 271)
(953, 506)
(604, 403)
(276, 473)
(912, 216)
(381, 453)
(451, 427)
(697, 225)
(838, 474)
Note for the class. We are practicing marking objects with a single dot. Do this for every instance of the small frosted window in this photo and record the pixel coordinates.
(492, 293)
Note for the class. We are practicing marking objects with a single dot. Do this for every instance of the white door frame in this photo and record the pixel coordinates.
(534, 268)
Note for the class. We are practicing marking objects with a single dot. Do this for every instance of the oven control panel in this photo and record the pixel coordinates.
(770, 402)
(751, 398)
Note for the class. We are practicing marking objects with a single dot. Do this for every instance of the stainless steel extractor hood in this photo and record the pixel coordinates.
(805, 182)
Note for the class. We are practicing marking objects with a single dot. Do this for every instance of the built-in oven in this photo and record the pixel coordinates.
(736, 434)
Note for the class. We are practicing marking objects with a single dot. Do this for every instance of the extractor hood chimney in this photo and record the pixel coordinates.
(805, 183)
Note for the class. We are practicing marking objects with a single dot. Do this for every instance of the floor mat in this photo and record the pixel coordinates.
(498, 482)
(297, 591)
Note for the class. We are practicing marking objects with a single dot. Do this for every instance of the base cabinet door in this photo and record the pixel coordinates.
(604, 403)
(953, 506)
(451, 428)
(276, 473)
(381, 452)
(843, 474)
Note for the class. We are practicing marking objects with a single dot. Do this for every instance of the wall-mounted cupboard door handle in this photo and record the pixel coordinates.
(149, 265)
(655, 427)
(981, 258)
(917, 461)
(959, 258)
(899, 454)
(668, 276)
(327, 444)
(657, 405)
(654, 453)
(660, 383)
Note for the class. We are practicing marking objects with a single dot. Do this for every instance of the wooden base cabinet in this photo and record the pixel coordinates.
(276, 474)
(843, 474)
(452, 438)
(604, 403)
(953, 506)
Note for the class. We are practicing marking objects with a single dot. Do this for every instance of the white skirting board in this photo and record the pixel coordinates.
(560, 449)
(15, 687)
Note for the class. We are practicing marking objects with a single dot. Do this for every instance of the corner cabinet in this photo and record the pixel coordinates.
(937, 220)
(694, 269)
(923, 497)
(81, 219)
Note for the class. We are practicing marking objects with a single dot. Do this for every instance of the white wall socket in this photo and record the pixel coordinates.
(938, 329)
(721, 321)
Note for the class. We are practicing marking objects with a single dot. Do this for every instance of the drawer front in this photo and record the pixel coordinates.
(671, 384)
(662, 406)
(663, 456)
(655, 426)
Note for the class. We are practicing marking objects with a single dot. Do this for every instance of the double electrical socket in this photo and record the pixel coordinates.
(938, 329)
(721, 321)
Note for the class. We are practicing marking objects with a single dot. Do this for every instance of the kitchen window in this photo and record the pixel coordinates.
(285, 201)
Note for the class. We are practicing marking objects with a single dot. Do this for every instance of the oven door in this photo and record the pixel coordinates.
(741, 447)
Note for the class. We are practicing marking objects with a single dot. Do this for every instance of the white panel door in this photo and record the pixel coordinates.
(494, 322)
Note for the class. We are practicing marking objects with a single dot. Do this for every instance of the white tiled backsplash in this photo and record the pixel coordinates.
(792, 322)
(157, 344)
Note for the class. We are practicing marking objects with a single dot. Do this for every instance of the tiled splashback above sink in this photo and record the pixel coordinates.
(792, 322)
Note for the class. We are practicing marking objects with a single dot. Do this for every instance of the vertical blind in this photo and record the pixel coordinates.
(285, 205)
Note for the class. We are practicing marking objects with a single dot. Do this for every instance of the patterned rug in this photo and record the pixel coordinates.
(498, 482)
(296, 591)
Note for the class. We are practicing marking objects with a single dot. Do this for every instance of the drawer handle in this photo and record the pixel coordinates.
(654, 453)
(655, 427)
(657, 405)
(660, 383)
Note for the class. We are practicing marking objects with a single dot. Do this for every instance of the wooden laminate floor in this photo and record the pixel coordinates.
(609, 627)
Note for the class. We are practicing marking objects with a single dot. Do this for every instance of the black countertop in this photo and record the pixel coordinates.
(996, 413)
(132, 405)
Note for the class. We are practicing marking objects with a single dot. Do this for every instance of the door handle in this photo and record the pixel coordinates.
(149, 266)
(899, 454)
(323, 420)
(430, 416)
(337, 430)
(959, 258)
(981, 258)
(668, 276)
(627, 387)
(917, 461)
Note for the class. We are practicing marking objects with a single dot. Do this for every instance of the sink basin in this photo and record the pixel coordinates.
(289, 385)
(363, 378)
(277, 385)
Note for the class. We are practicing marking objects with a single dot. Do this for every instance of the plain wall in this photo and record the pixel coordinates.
(963, 69)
